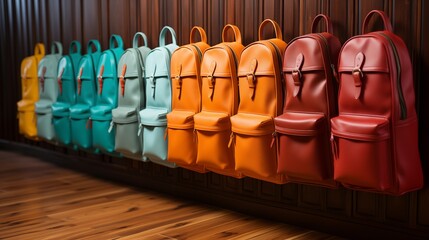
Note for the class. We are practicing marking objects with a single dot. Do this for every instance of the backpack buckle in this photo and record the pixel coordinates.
(100, 80)
(42, 79)
(79, 81)
(358, 74)
(297, 75)
(122, 79)
(60, 82)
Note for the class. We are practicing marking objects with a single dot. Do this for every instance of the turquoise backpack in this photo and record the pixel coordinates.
(86, 96)
(66, 77)
(48, 91)
(158, 100)
(131, 99)
(107, 96)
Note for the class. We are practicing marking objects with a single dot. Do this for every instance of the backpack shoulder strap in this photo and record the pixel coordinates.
(163, 33)
(58, 46)
(136, 39)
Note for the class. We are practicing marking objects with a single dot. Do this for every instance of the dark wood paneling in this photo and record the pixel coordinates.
(25, 22)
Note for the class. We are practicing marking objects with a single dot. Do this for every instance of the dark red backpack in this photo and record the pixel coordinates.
(303, 130)
(375, 136)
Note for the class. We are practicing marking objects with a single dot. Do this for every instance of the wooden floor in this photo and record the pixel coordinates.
(39, 200)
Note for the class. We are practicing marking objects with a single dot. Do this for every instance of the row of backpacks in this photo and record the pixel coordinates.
(313, 111)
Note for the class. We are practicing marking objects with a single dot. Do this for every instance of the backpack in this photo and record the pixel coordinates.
(375, 136)
(303, 129)
(30, 92)
(48, 91)
(107, 96)
(261, 99)
(219, 98)
(131, 99)
(186, 101)
(66, 78)
(86, 90)
(158, 100)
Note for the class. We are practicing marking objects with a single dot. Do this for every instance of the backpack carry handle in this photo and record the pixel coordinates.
(136, 39)
(116, 39)
(164, 32)
(275, 25)
(75, 47)
(316, 20)
(58, 46)
(202, 33)
(384, 17)
(95, 44)
(236, 31)
(39, 49)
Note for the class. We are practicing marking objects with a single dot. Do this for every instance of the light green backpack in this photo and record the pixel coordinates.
(158, 100)
(131, 99)
(48, 91)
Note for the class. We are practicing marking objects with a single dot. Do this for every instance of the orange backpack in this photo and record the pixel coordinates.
(219, 103)
(261, 98)
(186, 101)
(30, 92)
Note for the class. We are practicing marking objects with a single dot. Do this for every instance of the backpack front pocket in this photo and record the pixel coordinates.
(303, 146)
(361, 148)
(128, 139)
(182, 145)
(81, 126)
(45, 128)
(27, 119)
(154, 123)
(255, 155)
(62, 129)
(213, 135)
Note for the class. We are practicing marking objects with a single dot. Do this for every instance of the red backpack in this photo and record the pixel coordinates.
(303, 130)
(375, 136)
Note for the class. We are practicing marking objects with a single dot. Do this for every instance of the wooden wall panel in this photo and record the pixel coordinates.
(25, 22)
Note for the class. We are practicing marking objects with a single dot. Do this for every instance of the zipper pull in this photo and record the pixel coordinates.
(140, 129)
(111, 126)
(231, 139)
(42, 79)
(334, 72)
(334, 146)
(60, 82)
(100, 80)
(89, 123)
(273, 139)
(165, 134)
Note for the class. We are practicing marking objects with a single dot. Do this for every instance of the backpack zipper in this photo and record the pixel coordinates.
(398, 77)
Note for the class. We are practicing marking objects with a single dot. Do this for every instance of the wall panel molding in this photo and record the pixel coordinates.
(26, 22)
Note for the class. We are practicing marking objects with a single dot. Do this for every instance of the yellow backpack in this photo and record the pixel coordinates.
(30, 92)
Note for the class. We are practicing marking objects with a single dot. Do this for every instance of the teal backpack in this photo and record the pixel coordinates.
(107, 96)
(158, 100)
(131, 99)
(66, 77)
(86, 94)
(48, 92)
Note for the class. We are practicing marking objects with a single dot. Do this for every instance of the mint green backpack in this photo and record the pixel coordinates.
(158, 100)
(48, 92)
(107, 96)
(86, 97)
(66, 77)
(131, 99)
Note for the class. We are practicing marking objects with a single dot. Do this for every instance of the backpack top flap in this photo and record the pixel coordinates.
(29, 80)
(86, 88)
(219, 74)
(158, 89)
(309, 71)
(377, 52)
(131, 74)
(107, 80)
(47, 73)
(67, 71)
(260, 74)
(185, 73)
